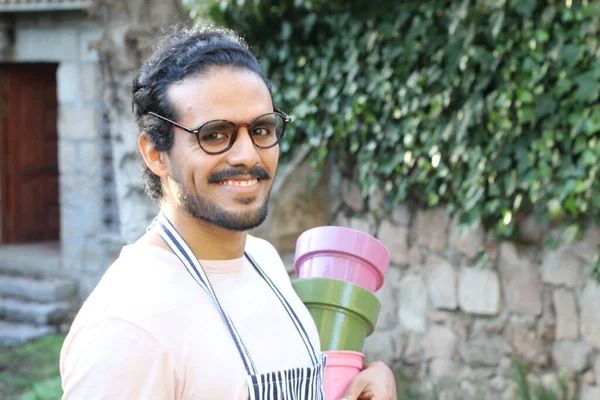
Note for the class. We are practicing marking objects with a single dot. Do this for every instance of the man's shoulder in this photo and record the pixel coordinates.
(142, 286)
(258, 245)
(267, 256)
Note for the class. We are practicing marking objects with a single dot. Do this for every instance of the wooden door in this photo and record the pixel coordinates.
(28, 153)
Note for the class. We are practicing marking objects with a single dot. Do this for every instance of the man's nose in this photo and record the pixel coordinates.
(243, 151)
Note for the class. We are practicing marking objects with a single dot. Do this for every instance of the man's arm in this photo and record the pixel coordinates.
(115, 359)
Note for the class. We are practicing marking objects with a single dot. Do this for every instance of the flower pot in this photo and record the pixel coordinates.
(342, 253)
(344, 313)
(341, 367)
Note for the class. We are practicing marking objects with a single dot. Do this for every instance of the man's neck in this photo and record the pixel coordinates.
(207, 240)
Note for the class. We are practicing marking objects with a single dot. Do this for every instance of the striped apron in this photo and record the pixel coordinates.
(304, 383)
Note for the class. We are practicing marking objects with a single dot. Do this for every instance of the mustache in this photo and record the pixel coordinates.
(254, 172)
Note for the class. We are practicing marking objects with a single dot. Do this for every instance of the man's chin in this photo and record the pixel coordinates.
(241, 223)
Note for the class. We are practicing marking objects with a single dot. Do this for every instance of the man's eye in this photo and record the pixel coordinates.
(260, 132)
(214, 136)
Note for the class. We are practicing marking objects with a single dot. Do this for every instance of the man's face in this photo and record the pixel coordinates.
(231, 189)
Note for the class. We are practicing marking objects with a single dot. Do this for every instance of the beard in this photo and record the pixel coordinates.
(199, 207)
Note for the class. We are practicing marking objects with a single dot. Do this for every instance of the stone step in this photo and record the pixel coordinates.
(12, 334)
(32, 260)
(48, 290)
(13, 310)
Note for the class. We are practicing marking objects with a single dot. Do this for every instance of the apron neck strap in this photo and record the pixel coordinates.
(178, 245)
(288, 308)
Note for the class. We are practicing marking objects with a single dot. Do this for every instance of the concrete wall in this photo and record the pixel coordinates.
(67, 38)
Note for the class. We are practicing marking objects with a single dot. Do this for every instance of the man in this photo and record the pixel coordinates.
(197, 308)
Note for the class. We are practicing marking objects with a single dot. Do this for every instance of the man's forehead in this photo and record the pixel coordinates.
(236, 95)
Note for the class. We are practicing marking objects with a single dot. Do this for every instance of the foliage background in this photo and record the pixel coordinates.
(487, 107)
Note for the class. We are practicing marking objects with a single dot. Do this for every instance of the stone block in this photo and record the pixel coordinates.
(567, 321)
(68, 157)
(68, 83)
(81, 193)
(413, 303)
(12, 334)
(505, 368)
(573, 356)
(91, 157)
(467, 240)
(590, 392)
(87, 45)
(366, 224)
(590, 317)
(53, 44)
(521, 281)
(587, 248)
(81, 208)
(413, 349)
(440, 342)
(441, 282)
(533, 230)
(76, 122)
(34, 313)
(483, 351)
(443, 368)
(395, 238)
(37, 290)
(561, 267)
(375, 202)
(415, 257)
(388, 314)
(526, 344)
(386, 346)
(590, 378)
(401, 214)
(351, 194)
(479, 291)
(90, 82)
(477, 374)
(432, 226)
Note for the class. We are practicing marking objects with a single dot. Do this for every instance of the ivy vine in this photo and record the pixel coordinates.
(490, 108)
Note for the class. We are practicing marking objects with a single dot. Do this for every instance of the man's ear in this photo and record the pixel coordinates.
(155, 160)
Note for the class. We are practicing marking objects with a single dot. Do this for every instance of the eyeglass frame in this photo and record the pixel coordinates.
(196, 131)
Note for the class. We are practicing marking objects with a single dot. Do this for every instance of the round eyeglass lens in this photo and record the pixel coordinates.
(267, 130)
(215, 136)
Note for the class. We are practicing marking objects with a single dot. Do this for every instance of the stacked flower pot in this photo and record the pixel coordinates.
(339, 271)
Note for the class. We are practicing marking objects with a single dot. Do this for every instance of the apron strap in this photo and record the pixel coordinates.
(288, 308)
(182, 250)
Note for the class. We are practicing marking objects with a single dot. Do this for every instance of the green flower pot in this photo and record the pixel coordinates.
(344, 313)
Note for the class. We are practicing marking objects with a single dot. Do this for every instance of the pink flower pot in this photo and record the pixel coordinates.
(340, 369)
(342, 253)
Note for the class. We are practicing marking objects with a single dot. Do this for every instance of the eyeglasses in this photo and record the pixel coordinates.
(218, 136)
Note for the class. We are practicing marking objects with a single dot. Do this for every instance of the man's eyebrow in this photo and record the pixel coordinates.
(216, 123)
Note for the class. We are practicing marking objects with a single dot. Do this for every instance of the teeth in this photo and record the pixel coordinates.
(240, 183)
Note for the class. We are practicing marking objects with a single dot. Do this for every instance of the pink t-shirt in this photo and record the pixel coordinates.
(149, 331)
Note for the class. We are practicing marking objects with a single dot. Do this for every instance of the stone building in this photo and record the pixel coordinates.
(56, 204)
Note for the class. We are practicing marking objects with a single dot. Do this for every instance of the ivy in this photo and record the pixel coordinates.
(490, 108)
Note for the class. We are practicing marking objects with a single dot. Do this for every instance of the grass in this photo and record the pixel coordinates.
(30, 371)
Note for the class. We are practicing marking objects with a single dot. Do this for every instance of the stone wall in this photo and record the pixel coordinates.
(450, 315)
